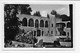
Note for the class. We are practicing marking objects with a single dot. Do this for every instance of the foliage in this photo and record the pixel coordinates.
(11, 22)
(24, 9)
(53, 12)
(37, 13)
(48, 16)
(26, 38)
(65, 17)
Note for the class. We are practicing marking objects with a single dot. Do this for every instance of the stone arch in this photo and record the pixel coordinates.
(46, 23)
(24, 22)
(36, 23)
(41, 23)
(31, 22)
(38, 32)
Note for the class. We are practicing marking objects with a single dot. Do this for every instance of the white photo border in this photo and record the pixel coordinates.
(33, 2)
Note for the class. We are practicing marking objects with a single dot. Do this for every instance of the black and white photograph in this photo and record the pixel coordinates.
(38, 25)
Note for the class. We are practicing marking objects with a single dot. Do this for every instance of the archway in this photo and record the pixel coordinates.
(24, 22)
(41, 23)
(31, 22)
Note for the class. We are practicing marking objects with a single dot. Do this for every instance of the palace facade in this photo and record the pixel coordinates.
(46, 28)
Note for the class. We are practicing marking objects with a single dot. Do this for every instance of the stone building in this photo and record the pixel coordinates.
(42, 27)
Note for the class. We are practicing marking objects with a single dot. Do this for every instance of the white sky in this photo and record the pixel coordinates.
(47, 8)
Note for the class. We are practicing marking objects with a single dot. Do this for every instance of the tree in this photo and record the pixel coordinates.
(26, 37)
(37, 13)
(53, 12)
(48, 16)
(24, 9)
(11, 22)
(65, 17)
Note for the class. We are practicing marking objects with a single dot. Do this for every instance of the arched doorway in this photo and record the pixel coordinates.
(36, 23)
(38, 32)
(42, 23)
(46, 23)
(31, 22)
(24, 22)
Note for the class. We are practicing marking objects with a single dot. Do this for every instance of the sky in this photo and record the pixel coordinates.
(47, 8)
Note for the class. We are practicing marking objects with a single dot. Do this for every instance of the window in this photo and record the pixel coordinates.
(36, 23)
(41, 23)
(68, 33)
(24, 22)
(34, 33)
(42, 33)
(31, 22)
(52, 25)
(51, 32)
(38, 32)
(48, 31)
(68, 25)
(60, 25)
(46, 23)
